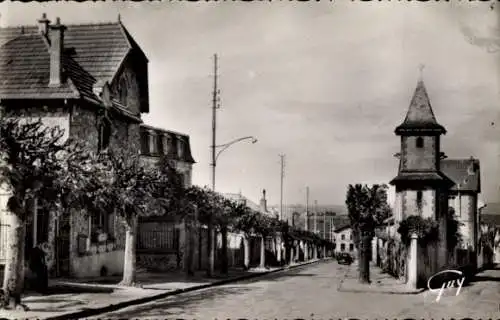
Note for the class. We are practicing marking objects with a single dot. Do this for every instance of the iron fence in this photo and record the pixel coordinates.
(160, 237)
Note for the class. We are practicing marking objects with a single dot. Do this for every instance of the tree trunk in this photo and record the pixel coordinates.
(306, 251)
(246, 253)
(129, 262)
(224, 258)
(211, 250)
(364, 261)
(278, 250)
(13, 281)
(262, 252)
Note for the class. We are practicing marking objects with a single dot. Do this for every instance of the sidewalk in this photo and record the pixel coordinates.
(380, 282)
(82, 298)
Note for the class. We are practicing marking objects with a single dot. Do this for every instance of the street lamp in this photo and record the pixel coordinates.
(222, 148)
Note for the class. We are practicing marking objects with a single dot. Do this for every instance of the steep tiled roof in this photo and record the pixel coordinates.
(92, 52)
(24, 70)
(464, 172)
(420, 116)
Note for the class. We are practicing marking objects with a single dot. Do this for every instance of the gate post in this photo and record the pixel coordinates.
(412, 263)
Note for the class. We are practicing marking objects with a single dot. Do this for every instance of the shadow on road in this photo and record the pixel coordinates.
(181, 304)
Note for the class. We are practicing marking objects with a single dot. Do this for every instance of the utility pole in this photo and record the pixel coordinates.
(282, 158)
(324, 225)
(215, 106)
(211, 234)
(315, 216)
(307, 208)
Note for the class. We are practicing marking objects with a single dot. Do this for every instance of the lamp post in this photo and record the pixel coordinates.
(222, 148)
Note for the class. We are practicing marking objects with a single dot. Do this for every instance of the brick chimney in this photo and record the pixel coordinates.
(56, 35)
(263, 201)
(43, 25)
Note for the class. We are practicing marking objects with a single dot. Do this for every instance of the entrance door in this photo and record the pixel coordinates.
(62, 247)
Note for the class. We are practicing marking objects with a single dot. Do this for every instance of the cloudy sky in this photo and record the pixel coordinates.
(325, 83)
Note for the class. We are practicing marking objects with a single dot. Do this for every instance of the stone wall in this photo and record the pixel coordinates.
(414, 158)
(411, 207)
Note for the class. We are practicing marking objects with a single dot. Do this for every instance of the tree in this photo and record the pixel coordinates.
(32, 161)
(230, 211)
(208, 208)
(245, 223)
(265, 226)
(132, 190)
(367, 207)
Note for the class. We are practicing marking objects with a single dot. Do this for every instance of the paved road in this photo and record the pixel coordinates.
(311, 293)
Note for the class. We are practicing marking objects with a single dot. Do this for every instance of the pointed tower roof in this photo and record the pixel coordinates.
(420, 118)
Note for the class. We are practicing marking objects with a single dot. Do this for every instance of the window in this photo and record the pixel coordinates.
(350, 237)
(351, 247)
(102, 222)
(144, 142)
(420, 142)
(342, 247)
(42, 225)
(153, 143)
(122, 90)
(334, 246)
(159, 139)
(419, 200)
(342, 237)
(104, 135)
(180, 146)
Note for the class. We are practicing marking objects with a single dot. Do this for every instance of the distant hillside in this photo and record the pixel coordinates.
(492, 208)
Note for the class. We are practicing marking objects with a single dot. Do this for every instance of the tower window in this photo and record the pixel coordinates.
(419, 201)
(420, 142)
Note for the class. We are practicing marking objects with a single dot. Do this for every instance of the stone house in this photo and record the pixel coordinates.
(92, 81)
(343, 240)
(428, 184)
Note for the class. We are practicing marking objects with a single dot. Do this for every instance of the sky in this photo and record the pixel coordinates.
(324, 83)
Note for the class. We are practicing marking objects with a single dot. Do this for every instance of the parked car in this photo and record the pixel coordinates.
(344, 258)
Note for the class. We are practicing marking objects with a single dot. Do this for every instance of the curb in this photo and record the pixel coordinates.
(113, 307)
(341, 288)
(382, 291)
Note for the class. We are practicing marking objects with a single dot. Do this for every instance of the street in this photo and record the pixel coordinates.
(311, 293)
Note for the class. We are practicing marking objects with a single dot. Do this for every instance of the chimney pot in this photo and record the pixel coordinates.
(43, 24)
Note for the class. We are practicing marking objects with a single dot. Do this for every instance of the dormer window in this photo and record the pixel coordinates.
(104, 135)
(180, 148)
(420, 142)
(160, 143)
(153, 143)
(169, 145)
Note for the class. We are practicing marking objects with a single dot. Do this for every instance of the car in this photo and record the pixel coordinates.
(344, 258)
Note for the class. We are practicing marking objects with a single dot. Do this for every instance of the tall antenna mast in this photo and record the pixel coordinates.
(215, 106)
(282, 156)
